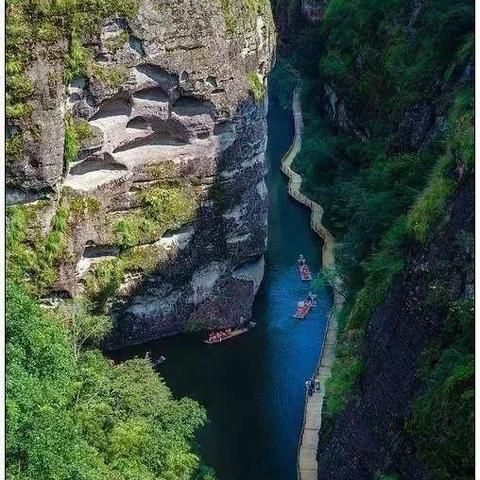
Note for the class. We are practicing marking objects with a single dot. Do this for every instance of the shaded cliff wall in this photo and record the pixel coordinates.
(291, 16)
(153, 158)
(388, 143)
(287, 17)
(372, 435)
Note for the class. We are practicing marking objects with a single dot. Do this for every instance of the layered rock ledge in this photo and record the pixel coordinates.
(166, 200)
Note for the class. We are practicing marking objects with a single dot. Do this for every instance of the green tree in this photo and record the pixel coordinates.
(71, 413)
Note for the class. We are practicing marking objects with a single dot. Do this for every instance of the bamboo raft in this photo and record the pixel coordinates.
(226, 335)
(304, 308)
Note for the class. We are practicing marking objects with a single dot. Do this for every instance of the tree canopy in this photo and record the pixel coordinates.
(72, 414)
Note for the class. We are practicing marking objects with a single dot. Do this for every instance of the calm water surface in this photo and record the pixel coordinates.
(253, 386)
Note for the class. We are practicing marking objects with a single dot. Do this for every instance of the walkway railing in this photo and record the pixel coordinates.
(307, 465)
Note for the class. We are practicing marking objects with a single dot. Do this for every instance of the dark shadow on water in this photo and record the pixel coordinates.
(253, 385)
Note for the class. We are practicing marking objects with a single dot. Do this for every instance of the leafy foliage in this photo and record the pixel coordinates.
(443, 416)
(433, 201)
(161, 208)
(14, 145)
(257, 89)
(72, 414)
(111, 76)
(34, 248)
(345, 370)
(31, 255)
(103, 283)
(372, 188)
(282, 82)
(76, 131)
(387, 476)
(383, 193)
(236, 12)
(76, 59)
(229, 16)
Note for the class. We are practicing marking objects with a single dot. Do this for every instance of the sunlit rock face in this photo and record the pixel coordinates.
(173, 103)
(40, 167)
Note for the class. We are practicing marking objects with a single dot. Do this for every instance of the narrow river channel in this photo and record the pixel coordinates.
(253, 386)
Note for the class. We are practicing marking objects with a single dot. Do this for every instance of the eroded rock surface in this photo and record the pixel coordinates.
(170, 108)
(39, 167)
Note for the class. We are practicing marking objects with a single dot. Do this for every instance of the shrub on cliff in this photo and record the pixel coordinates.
(443, 415)
(388, 140)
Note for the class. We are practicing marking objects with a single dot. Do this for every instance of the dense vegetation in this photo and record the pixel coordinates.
(385, 171)
(443, 418)
(71, 413)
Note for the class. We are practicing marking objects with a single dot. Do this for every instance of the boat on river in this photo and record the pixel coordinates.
(304, 307)
(303, 269)
(159, 360)
(222, 335)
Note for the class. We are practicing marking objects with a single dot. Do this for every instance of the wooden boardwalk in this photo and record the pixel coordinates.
(307, 465)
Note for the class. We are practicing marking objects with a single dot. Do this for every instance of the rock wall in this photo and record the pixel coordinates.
(336, 111)
(288, 19)
(293, 15)
(314, 10)
(168, 183)
(370, 435)
(40, 167)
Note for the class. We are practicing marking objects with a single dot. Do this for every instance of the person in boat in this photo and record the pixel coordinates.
(214, 336)
(301, 307)
(301, 260)
(304, 271)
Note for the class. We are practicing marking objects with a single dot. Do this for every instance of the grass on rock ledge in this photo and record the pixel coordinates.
(161, 208)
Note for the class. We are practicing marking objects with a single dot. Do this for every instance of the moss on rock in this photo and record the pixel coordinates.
(256, 87)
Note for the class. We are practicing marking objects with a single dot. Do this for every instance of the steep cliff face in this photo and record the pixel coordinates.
(337, 112)
(162, 187)
(371, 436)
(287, 17)
(292, 15)
(388, 151)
